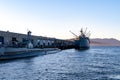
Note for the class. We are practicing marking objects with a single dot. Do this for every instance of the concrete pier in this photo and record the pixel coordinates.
(11, 39)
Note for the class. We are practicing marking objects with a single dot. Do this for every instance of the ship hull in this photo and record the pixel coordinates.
(15, 53)
(82, 44)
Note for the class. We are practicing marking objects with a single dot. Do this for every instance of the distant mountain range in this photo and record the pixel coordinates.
(104, 42)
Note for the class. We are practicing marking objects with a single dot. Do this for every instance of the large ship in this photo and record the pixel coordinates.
(82, 41)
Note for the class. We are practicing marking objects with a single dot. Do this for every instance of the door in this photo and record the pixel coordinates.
(1, 40)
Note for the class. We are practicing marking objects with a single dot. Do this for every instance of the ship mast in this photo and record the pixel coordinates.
(73, 34)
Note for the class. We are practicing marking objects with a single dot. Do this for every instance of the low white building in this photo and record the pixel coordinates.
(20, 40)
(7, 38)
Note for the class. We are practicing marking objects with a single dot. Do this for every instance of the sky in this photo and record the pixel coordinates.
(55, 18)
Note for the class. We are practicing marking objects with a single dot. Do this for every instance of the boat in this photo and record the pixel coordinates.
(7, 52)
(82, 41)
(15, 53)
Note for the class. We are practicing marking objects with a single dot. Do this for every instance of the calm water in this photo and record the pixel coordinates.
(97, 63)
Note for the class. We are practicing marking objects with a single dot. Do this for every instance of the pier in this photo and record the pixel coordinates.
(18, 40)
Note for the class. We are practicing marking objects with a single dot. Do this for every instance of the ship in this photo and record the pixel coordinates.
(82, 41)
(16, 53)
(27, 51)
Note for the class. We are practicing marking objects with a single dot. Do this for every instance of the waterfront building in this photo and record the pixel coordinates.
(11, 39)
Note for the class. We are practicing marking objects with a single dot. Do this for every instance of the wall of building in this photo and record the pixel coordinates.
(38, 41)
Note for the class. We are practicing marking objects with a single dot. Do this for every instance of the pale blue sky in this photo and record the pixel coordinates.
(54, 18)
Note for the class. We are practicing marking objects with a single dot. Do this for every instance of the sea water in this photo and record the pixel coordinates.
(97, 63)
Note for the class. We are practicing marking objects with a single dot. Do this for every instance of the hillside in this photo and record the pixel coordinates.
(105, 42)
